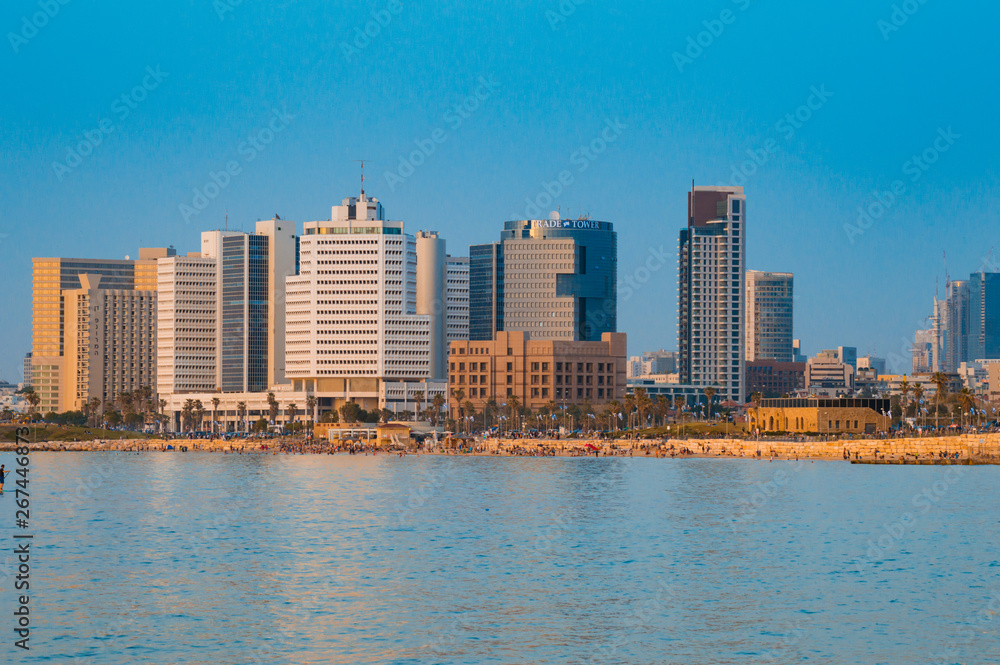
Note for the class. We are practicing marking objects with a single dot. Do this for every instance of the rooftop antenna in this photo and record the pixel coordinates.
(362, 162)
(947, 279)
(227, 220)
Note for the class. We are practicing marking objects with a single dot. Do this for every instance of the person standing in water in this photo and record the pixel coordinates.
(2, 476)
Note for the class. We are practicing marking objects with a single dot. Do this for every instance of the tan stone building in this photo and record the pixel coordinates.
(110, 339)
(821, 416)
(51, 278)
(537, 371)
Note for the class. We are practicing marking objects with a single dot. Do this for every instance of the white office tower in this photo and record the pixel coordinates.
(186, 318)
(457, 286)
(712, 290)
(351, 321)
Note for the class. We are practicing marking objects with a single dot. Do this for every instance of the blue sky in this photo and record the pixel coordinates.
(299, 75)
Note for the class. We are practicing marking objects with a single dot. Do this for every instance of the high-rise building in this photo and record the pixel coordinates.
(457, 287)
(486, 297)
(924, 351)
(431, 297)
(111, 336)
(52, 276)
(553, 278)
(711, 291)
(26, 369)
(186, 359)
(956, 326)
(352, 321)
(984, 316)
(250, 303)
(769, 316)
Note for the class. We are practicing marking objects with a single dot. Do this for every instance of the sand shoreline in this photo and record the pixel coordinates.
(954, 449)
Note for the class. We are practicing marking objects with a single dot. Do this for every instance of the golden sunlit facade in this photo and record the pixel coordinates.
(50, 278)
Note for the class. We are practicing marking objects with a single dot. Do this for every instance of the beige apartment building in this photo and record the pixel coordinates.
(110, 343)
(537, 371)
(52, 277)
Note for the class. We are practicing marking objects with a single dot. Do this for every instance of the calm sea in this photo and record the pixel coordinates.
(204, 558)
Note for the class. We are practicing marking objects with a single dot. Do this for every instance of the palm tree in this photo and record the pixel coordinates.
(419, 396)
(437, 403)
(459, 395)
(904, 392)
(629, 409)
(187, 415)
(291, 411)
(241, 413)
(966, 400)
(470, 410)
(34, 399)
(272, 408)
(125, 402)
(215, 412)
(918, 398)
(95, 405)
(311, 408)
(199, 413)
(643, 402)
(662, 406)
(513, 407)
(162, 403)
(709, 394)
(614, 410)
(940, 380)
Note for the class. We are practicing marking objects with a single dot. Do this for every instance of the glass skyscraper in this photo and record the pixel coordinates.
(984, 315)
(244, 313)
(553, 278)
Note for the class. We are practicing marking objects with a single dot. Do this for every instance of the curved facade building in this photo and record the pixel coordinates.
(553, 278)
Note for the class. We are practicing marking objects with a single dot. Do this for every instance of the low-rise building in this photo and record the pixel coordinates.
(821, 415)
(830, 374)
(536, 372)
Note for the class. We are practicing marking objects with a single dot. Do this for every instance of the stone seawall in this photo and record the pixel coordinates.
(971, 445)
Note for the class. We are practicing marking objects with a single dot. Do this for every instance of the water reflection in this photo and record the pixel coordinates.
(195, 558)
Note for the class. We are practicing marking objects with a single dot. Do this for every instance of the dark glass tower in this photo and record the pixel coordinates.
(485, 290)
(984, 316)
(244, 313)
